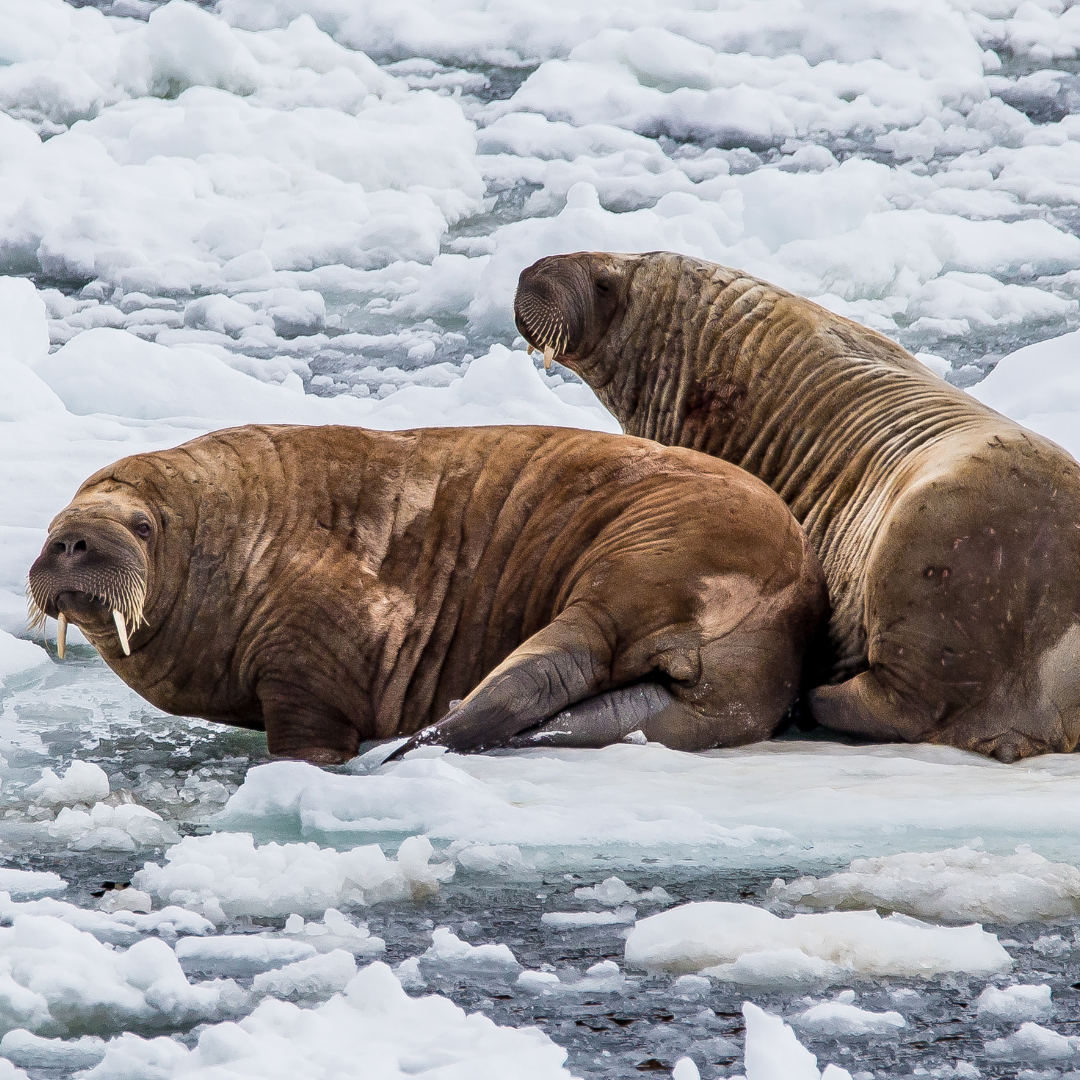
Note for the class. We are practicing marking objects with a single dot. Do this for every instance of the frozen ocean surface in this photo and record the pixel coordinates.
(315, 211)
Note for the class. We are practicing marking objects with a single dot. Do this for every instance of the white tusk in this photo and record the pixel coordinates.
(530, 350)
(121, 631)
(549, 355)
(61, 635)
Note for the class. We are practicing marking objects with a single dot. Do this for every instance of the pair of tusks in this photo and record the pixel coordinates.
(549, 355)
(61, 633)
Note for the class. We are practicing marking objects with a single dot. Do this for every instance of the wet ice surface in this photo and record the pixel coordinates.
(223, 205)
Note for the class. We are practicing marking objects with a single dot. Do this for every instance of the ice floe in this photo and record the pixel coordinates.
(1016, 1002)
(743, 943)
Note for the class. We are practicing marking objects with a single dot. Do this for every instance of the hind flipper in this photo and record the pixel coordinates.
(862, 706)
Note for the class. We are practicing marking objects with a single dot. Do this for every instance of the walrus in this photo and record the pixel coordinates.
(331, 585)
(949, 535)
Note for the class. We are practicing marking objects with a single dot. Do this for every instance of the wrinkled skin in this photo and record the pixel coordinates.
(949, 535)
(521, 585)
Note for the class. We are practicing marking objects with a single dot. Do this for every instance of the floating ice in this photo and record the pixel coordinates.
(573, 920)
(58, 980)
(30, 882)
(842, 1019)
(1034, 1043)
(956, 885)
(614, 892)
(224, 875)
(447, 949)
(318, 976)
(20, 1047)
(239, 954)
(1016, 1002)
(365, 1028)
(18, 656)
(83, 782)
(112, 828)
(336, 932)
(774, 1053)
(710, 937)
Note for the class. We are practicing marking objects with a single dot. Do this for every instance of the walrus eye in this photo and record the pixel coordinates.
(603, 287)
(144, 529)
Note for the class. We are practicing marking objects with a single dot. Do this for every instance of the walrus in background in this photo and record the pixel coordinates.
(949, 535)
(331, 585)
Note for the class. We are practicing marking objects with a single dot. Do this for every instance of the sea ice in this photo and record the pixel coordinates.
(83, 782)
(708, 937)
(336, 932)
(448, 950)
(30, 882)
(573, 920)
(23, 1048)
(774, 1053)
(361, 1032)
(317, 976)
(842, 1019)
(224, 875)
(1016, 1002)
(1032, 1042)
(614, 892)
(956, 885)
(239, 954)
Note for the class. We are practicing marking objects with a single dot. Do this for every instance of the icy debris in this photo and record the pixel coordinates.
(117, 928)
(1016, 1002)
(318, 976)
(713, 938)
(239, 954)
(126, 900)
(573, 920)
(58, 980)
(224, 875)
(685, 1069)
(503, 859)
(1051, 945)
(447, 949)
(336, 931)
(955, 885)
(112, 828)
(690, 986)
(16, 655)
(1035, 1044)
(842, 1019)
(614, 892)
(409, 975)
(30, 882)
(604, 977)
(372, 1022)
(30, 1051)
(774, 1053)
(82, 782)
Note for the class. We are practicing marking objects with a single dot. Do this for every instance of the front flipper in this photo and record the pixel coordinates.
(602, 720)
(568, 661)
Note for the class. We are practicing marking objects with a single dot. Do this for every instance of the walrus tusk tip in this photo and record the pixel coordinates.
(61, 635)
(549, 355)
(121, 631)
(530, 350)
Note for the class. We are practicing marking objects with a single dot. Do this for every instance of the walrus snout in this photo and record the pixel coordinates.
(91, 571)
(564, 303)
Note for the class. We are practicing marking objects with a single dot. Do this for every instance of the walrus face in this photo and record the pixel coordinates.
(94, 569)
(566, 303)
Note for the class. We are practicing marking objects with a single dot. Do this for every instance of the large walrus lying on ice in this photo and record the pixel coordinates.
(949, 535)
(333, 584)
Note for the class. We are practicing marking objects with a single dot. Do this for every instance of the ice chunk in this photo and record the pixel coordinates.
(319, 976)
(226, 874)
(112, 828)
(21, 1047)
(685, 1069)
(956, 885)
(18, 656)
(449, 950)
(774, 1053)
(613, 892)
(1034, 1043)
(1016, 1002)
(126, 900)
(239, 954)
(82, 782)
(702, 937)
(573, 920)
(336, 931)
(841, 1019)
(30, 882)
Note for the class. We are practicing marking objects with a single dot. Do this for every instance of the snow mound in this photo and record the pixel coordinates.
(956, 885)
(57, 980)
(715, 938)
(361, 1032)
(224, 875)
(1016, 1002)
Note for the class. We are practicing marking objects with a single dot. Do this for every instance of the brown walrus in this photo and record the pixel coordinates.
(331, 585)
(949, 535)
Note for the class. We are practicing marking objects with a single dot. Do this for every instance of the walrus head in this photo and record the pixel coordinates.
(565, 303)
(95, 567)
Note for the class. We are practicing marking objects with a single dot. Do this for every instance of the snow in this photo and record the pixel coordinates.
(712, 938)
(957, 885)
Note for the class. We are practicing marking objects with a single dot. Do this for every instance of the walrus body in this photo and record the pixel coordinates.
(949, 535)
(332, 585)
